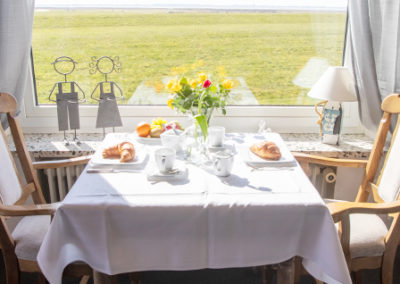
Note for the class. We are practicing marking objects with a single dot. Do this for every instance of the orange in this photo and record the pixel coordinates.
(143, 129)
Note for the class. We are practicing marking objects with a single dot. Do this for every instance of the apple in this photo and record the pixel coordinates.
(174, 125)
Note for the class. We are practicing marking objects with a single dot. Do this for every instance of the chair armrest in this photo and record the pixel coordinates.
(339, 210)
(28, 209)
(62, 163)
(314, 159)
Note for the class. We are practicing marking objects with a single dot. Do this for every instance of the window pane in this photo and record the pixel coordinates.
(273, 56)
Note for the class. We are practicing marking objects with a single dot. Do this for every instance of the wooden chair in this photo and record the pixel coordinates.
(370, 240)
(21, 246)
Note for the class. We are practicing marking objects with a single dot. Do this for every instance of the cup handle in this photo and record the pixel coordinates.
(217, 164)
(163, 160)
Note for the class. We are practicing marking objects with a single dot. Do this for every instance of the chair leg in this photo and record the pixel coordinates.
(84, 279)
(101, 278)
(285, 272)
(41, 279)
(266, 274)
(12, 270)
(135, 278)
(356, 277)
(298, 268)
(387, 273)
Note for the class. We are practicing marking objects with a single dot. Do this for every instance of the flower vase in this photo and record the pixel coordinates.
(198, 141)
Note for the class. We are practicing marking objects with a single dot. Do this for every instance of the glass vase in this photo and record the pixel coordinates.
(197, 141)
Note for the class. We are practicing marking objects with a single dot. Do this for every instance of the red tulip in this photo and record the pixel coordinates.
(207, 83)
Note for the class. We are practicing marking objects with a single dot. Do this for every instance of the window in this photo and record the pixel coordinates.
(273, 50)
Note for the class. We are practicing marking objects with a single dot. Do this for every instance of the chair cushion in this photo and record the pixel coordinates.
(367, 235)
(29, 234)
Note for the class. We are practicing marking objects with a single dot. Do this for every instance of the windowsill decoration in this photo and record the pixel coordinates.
(336, 85)
(67, 98)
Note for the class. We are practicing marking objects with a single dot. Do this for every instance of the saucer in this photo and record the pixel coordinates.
(216, 148)
(177, 173)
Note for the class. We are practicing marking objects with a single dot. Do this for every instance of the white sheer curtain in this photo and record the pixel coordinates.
(16, 20)
(374, 30)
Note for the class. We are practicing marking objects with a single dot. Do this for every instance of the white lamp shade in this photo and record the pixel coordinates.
(336, 84)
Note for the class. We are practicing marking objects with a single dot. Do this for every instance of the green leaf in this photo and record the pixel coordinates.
(183, 81)
(202, 122)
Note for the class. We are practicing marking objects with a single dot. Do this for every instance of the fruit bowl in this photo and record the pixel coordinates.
(156, 128)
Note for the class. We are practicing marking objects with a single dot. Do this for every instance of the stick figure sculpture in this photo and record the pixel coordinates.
(108, 113)
(67, 98)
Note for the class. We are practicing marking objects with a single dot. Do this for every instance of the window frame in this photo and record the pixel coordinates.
(283, 119)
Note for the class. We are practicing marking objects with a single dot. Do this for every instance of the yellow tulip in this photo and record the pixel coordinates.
(176, 87)
(157, 123)
(227, 84)
(200, 63)
(202, 76)
(193, 83)
(158, 87)
(171, 83)
(169, 103)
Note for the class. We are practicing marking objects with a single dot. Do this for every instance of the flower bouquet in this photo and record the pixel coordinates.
(199, 98)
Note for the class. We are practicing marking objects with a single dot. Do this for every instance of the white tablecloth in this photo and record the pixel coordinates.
(121, 222)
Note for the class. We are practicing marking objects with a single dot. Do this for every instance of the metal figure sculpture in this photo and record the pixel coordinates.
(67, 97)
(108, 114)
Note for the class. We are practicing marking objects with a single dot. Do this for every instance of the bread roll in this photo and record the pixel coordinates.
(125, 151)
(266, 150)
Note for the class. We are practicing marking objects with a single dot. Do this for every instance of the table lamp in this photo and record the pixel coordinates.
(336, 85)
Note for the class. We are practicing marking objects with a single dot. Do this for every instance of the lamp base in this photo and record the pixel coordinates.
(332, 139)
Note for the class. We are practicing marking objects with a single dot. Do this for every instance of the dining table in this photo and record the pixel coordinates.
(121, 218)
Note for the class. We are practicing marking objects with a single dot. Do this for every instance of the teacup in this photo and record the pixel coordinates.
(165, 158)
(223, 163)
(216, 135)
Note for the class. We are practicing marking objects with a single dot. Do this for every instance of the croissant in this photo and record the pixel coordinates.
(266, 150)
(125, 151)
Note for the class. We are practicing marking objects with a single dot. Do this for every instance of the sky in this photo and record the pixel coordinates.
(212, 4)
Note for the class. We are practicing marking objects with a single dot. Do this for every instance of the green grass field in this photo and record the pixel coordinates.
(267, 49)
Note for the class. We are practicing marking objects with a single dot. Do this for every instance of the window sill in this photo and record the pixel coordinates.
(352, 146)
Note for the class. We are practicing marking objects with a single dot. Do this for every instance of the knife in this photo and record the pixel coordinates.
(97, 171)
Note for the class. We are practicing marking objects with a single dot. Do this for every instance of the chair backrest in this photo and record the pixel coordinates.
(12, 188)
(389, 179)
(388, 183)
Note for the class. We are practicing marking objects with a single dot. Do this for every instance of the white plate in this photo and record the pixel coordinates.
(287, 159)
(148, 141)
(112, 139)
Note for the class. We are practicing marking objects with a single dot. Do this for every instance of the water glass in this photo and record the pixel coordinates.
(216, 135)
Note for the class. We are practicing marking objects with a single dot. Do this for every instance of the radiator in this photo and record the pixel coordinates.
(57, 182)
(323, 178)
